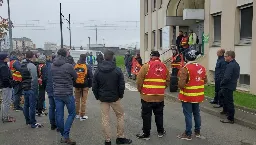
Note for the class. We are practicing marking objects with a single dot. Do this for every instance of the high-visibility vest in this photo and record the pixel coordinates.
(40, 76)
(177, 65)
(184, 42)
(193, 92)
(15, 74)
(135, 66)
(155, 79)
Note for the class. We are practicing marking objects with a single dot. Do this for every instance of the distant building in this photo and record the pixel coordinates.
(50, 46)
(23, 43)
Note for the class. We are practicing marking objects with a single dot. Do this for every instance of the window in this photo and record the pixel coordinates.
(244, 79)
(161, 38)
(146, 7)
(246, 23)
(160, 4)
(146, 41)
(217, 28)
(154, 38)
(154, 5)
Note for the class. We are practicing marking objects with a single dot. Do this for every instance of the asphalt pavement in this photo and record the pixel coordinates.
(89, 132)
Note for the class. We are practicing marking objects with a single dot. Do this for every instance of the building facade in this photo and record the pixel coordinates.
(225, 24)
(23, 43)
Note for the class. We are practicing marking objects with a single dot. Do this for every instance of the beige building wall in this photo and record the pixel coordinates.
(230, 32)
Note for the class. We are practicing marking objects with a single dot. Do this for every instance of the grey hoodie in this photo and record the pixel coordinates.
(63, 76)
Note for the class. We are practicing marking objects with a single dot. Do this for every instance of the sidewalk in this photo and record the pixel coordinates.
(243, 116)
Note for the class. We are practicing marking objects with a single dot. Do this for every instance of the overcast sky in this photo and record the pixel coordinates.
(39, 20)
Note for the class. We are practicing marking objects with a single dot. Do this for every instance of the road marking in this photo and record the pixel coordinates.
(130, 87)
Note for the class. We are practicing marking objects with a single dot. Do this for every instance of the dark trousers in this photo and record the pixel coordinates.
(52, 110)
(229, 106)
(218, 96)
(190, 110)
(129, 69)
(41, 99)
(175, 71)
(147, 108)
(17, 92)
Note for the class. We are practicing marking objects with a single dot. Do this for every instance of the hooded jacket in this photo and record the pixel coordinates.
(63, 76)
(88, 78)
(108, 82)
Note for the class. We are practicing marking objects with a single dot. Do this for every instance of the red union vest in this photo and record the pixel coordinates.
(193, 92)
(184, 42)
(155, 80)
(40, 80)
(177, 65)
(15, 74)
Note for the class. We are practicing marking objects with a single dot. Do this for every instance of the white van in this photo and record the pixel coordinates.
(76, 54)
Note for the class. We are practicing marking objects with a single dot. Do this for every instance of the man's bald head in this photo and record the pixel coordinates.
(221, 52)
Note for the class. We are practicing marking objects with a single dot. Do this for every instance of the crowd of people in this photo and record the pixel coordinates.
(32, 75)
(60, 76)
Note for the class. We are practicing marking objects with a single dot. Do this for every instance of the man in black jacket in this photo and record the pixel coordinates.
(6, 86)
(228, 86)
(108, 87)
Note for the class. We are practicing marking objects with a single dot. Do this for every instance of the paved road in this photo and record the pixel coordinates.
(89, 132)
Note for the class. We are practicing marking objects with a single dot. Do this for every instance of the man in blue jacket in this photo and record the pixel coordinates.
(228, 86)
(219, 72)
(49, 90)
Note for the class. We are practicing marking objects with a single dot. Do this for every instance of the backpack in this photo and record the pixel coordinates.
(81, 70)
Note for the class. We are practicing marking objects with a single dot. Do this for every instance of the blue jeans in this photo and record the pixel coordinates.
(30, 108)
(188, 109)
(52, 110)
(60, 102)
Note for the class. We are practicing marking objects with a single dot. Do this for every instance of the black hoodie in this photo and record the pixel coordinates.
(108, 82)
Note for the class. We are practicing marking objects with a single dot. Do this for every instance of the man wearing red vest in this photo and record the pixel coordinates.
(192, 78)
(177, 61)
(17, 88)
(152, 81)
(42, 79)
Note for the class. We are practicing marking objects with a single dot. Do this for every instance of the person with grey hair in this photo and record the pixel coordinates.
(42, 79)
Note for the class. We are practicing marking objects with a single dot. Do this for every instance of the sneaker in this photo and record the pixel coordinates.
(53, 127)
(37, 125)
(162, 134)
(197, 134)
(18, 109)
(83, 118)
(143, 136)
(77, 116)
(67, 141)
(107, 142)
(123, 141)
(185, 137)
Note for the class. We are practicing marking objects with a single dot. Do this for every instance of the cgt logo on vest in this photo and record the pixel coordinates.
(158, 70)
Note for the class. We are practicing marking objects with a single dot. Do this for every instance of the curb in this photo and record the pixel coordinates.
(238, 120)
